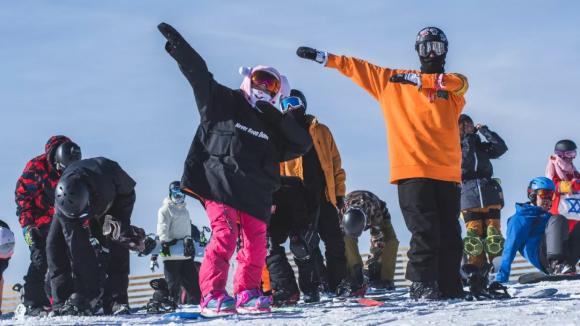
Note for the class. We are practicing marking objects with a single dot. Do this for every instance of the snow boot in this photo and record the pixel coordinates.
(344, 290)
(311, 297)
(424, 290)
(381, 286)
(121, 309)
(284, 297)
(558, 267)
(76, 305)
(217, 303)
(252, 302)
(161, 302)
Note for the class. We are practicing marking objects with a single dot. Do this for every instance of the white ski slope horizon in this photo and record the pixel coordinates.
(561, 309)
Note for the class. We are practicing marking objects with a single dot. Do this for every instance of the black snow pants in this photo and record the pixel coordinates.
(289, 220)
(562, 244)
(69, 253)
(36, 283)
(332, 237)
(182, 274)
(431, 212)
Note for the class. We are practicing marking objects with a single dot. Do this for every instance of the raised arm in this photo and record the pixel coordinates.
(368, 76)
(194, 69)
(494, 145)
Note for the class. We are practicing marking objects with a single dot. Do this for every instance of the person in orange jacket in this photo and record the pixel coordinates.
(421, 109)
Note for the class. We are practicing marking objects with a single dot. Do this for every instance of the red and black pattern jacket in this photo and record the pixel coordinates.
(35, 187)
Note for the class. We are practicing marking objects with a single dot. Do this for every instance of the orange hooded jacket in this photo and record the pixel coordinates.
(422, 130)
(329, 158)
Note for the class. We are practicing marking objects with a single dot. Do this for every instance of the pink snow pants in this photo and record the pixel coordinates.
(213, 273)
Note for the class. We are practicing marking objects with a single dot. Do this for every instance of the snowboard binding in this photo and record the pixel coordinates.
(161, 302)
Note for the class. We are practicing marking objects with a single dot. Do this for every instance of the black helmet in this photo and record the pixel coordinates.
(565, 145)
(73, 196)
(431, 34)
(297, 93)
(65, 154)
(354, 221)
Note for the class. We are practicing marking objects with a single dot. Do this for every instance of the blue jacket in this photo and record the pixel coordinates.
(525, 231)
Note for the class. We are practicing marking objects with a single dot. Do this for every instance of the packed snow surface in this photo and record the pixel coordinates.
(561, 309)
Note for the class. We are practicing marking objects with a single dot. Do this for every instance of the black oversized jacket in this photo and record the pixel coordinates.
(235, 154)
(112, 189)
(478, 188)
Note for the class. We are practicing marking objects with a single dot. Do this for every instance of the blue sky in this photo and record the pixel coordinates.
(96, 71)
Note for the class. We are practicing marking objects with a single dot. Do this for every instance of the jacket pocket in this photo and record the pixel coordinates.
(219, 142)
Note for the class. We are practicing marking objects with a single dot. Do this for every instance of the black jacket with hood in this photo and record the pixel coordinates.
(235, 154)
(478, 188)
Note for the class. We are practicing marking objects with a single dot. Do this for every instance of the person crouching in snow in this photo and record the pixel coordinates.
(173, 225)
(481, 195)
(542, 238)
(362, 211)
(233, 169)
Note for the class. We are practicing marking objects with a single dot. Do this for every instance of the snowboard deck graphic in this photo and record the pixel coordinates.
(536, 277)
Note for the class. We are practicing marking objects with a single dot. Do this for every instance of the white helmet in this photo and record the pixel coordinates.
(6, 243)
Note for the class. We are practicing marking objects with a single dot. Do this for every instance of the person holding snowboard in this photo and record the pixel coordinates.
(362, 211)
(233, 169)
(94, 200)
(173, 225)
(561, 170)
(35, 209)
(481, 194)
(421, 109)
(324, 179)
(539, 236)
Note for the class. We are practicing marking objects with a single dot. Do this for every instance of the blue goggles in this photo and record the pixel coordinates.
(176, 193)
(290, 103)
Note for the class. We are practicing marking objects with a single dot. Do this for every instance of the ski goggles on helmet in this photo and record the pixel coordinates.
(176, 194)
(425, 48)
(265, 81)
(566, 154)
(290, 103)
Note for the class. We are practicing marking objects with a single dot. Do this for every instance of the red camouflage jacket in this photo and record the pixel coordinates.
(35, 187)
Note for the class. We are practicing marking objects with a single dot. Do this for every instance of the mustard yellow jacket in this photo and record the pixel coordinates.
(329, 158)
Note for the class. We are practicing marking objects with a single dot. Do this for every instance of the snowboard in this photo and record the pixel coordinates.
(536, 277)
(543, 293)
(182, 315)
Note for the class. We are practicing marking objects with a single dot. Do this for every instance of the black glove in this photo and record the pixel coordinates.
(150, 244)
(410, 78)
(176, 45)
(272, 115)
(340, 203)
(188, 247)
(165, 251)
(311, 54)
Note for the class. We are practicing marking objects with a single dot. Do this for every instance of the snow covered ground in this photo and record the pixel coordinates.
(561, 309)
